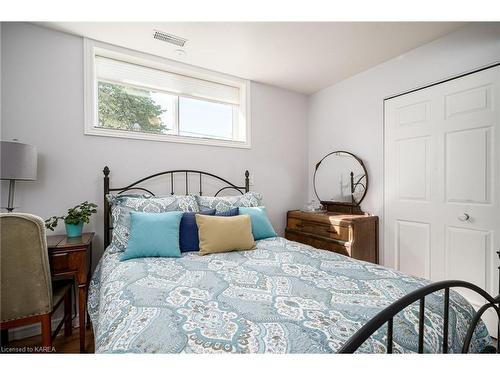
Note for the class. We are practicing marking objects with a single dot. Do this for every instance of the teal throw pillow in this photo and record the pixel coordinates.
(153, 235)
(261, 225)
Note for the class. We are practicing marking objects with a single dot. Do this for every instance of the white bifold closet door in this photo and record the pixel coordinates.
(442, 182)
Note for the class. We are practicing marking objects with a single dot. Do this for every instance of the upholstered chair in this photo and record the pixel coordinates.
(27, 293)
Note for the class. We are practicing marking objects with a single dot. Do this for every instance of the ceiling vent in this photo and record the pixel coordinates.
(169, 38)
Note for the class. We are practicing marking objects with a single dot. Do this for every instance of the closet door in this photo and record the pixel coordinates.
(442, 182)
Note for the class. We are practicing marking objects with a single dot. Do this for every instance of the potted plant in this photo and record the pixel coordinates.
(74, 220)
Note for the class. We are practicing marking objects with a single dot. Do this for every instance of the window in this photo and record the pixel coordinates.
(133, 95)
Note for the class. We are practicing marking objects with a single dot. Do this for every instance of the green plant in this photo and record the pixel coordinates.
(77, 214)
(121, 109)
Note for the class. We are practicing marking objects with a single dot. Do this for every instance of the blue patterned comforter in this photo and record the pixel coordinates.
(283, 297)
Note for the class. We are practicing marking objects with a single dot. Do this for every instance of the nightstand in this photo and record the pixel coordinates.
(353, 235)
(72, 257)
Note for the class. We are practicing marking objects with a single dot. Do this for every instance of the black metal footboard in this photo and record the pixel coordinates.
(387, 315)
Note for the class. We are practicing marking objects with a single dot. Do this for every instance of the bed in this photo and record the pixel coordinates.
(282, 297)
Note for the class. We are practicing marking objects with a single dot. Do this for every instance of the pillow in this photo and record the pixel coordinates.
(219, 234)
(189, 240)
(123, 205)
(153, 235)
(261, 225)
(225, 203)
(231, 212)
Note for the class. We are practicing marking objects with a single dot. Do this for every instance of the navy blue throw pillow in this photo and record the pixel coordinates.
(188, 236)
(231, 212)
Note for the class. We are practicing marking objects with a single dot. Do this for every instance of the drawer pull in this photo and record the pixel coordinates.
(301, 226)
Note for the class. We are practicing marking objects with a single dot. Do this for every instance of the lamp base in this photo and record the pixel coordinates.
(10, 204)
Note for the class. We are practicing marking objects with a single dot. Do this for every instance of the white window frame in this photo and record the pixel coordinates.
(93, 48)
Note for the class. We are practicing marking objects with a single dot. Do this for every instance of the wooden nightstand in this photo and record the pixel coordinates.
(72, 257)
(348, 234)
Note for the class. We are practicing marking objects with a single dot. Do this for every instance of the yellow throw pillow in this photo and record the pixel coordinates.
(219, 234)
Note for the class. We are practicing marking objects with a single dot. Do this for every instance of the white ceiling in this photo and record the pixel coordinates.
(303, 57)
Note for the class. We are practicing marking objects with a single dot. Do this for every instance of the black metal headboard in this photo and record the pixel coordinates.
(185, 172)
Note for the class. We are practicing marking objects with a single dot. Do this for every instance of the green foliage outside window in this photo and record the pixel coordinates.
(123, 109)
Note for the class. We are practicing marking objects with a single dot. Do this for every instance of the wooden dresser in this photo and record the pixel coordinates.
(348, 234)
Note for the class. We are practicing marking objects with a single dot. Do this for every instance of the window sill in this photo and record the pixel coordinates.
(167, 138)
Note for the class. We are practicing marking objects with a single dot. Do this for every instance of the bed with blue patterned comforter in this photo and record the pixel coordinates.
(282, 297)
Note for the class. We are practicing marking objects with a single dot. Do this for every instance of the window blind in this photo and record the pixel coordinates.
(120, 72)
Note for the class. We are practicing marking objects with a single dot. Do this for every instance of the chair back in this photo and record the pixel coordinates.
(26, 288)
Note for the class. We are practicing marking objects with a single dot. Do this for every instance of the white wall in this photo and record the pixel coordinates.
(349, 115)
(42, 104)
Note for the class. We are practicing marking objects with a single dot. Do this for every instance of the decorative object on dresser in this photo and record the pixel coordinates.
(340, 182)
(19, 162)
(27, 293)
(348, 234)
(72, 258)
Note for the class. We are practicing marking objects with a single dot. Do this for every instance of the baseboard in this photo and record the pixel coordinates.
(31, 330)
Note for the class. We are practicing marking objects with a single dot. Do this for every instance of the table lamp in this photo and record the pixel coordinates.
(18, 162)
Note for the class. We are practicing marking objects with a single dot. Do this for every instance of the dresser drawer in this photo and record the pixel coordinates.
(316, 242)
(59, 262)
(62, 262)
(335, 232)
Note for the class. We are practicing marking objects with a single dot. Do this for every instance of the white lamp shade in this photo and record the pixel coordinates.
(19, 161)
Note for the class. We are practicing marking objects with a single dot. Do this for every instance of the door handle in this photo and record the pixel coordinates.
(464, 217)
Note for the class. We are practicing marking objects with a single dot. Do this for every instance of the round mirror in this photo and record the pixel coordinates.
(340, 177)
